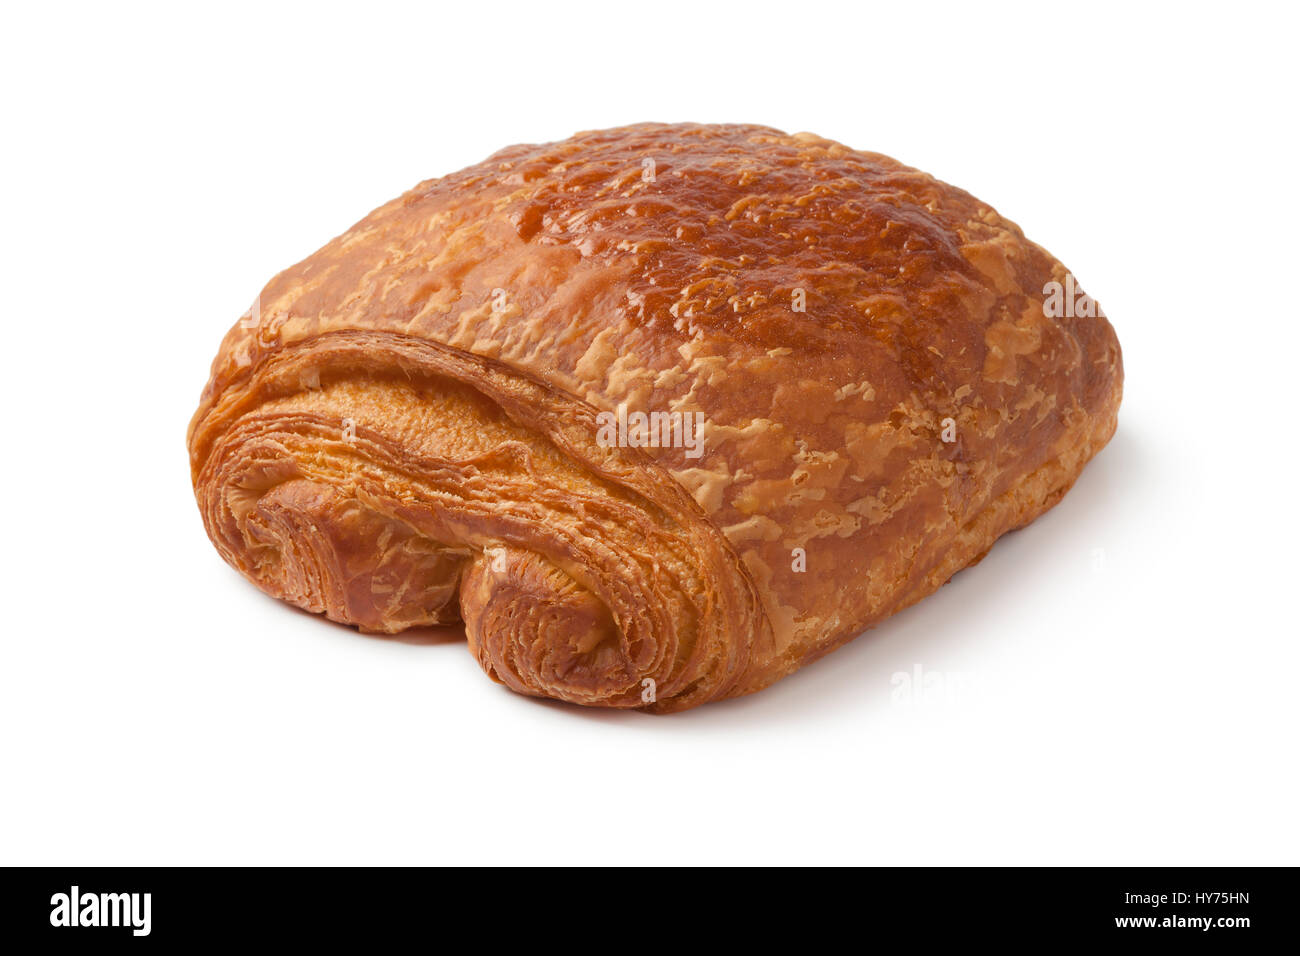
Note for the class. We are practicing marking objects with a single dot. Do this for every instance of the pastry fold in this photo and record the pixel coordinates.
(855, 377)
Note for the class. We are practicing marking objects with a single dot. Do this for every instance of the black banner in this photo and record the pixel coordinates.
(1229, 907)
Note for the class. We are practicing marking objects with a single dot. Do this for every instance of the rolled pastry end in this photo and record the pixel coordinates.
(389, 502)
(538, 631)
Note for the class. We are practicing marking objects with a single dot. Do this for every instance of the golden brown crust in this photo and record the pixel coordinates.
(406, 431)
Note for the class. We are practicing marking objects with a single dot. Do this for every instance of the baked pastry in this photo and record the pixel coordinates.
(662, 413)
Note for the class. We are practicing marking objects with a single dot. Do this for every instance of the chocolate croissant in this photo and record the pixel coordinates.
(661, 413)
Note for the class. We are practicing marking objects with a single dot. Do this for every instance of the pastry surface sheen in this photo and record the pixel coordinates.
(404, 430)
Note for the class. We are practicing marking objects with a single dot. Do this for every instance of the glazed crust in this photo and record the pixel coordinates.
(404, 431)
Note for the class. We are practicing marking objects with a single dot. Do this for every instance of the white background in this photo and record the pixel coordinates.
(1114, 685)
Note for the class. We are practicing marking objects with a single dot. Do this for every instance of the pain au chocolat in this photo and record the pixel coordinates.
(661, 413)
